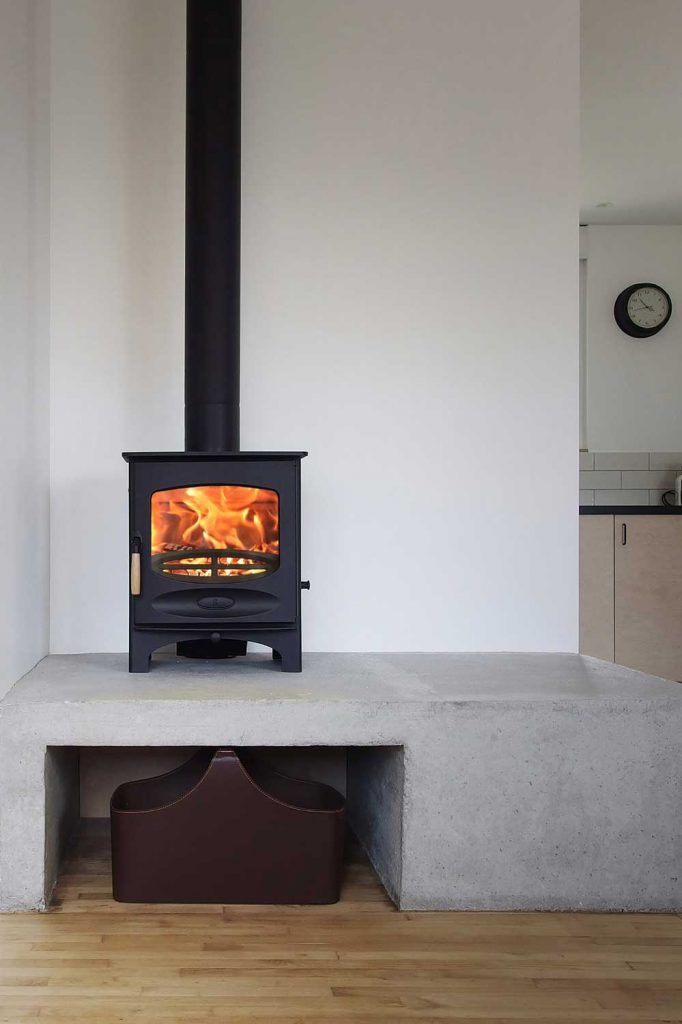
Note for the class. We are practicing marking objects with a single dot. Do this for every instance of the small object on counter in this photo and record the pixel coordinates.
(678, 488)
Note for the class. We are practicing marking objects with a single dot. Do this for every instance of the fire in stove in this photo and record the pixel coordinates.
(217, 532)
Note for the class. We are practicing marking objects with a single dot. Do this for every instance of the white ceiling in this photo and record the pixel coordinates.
(631, 111)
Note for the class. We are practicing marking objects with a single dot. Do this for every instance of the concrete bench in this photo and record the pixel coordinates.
(475, 781)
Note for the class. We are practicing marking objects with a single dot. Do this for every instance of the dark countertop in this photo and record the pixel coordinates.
(630, 510)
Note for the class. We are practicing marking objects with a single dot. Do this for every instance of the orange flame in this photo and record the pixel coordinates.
(210, 518)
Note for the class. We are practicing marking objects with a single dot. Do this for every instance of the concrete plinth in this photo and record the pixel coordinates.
(482, 781)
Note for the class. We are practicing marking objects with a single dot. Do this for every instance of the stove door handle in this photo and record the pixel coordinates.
(135, 568)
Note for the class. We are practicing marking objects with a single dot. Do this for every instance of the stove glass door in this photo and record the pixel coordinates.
(215, 533)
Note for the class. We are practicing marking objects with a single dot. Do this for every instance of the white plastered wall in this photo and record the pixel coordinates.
(409, 305)
(24, 336)
(632, 386)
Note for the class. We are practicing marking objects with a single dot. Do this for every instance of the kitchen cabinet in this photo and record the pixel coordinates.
(631, 591)
(596, 587)
(648, 593)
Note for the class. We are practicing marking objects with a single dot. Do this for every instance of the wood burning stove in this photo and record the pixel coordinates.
(214, 532)
(215, 554)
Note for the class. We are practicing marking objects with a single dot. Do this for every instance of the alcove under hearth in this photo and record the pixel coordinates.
(81, 779)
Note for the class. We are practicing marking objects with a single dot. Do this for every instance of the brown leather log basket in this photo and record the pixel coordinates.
(225, 828)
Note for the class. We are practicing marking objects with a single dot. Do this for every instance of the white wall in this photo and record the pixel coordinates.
(409, 305)
(24, 356)
(633, 386)
(118, 87)
(631, 115)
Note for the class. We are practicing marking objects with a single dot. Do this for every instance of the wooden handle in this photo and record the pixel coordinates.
(135, 585)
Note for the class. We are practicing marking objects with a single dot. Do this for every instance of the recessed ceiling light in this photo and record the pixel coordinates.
(604, 206)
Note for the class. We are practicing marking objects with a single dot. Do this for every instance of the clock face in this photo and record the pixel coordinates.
(648, 307)
(642, 309)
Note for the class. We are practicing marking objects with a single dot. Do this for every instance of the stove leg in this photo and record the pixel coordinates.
(288, 651)
(138, 661)
(139, 654)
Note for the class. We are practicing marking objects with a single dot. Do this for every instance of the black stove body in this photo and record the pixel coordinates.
(215, 554)
(214, 532)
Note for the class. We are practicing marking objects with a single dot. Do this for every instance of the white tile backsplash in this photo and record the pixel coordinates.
(665, 460)
(651, 479)
(590, 479)
(627, 478)
(621, 460)
(621, 497)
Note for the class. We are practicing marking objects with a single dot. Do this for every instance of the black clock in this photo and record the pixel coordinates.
(642, 310)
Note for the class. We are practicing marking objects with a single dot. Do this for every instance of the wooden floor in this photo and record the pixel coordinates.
(92, 960)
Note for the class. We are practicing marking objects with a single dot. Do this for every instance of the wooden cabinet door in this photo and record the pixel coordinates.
(648, 563)
(596, 586)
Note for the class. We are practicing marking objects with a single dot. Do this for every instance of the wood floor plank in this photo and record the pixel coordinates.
(93, 961)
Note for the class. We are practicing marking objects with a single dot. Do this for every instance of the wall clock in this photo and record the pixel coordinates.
(642, 310)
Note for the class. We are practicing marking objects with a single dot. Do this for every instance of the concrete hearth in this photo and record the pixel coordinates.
(482, 781)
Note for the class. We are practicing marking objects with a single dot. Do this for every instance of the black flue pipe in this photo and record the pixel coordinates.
(212, 225)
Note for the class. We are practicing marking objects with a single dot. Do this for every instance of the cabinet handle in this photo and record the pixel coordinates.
(623, 534)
